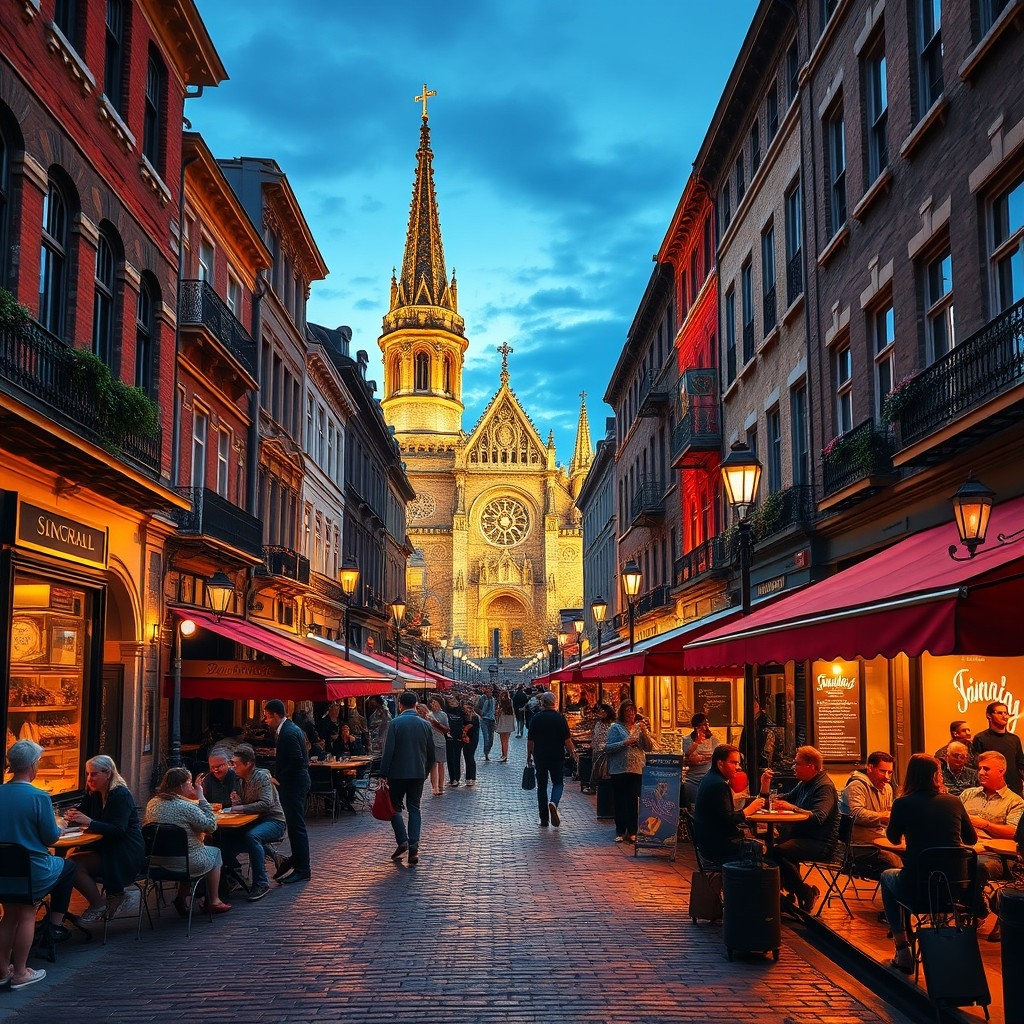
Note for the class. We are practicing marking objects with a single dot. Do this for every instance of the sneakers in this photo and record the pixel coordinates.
(455, 784)
(414, 855)
(620, 839)
(808, 897)
(286, 866)
(296, 876)
(92, 915)
(33, 977)
(126, 905)
(903, 961)
(257, 892)
(553, 811)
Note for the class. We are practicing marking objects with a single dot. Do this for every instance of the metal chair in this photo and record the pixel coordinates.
(167, 860)
(364, 785)
(322, 790)
(833, 868)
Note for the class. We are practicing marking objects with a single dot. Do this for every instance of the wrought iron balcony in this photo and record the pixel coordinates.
(201, 306)
(283, 562)
(655, 393)
(971, 376)
(771, 317)
(711, 556)
(216, 518)
(324, 586)
(656, 597)
(700, 430)
(648, 504)
(791, 506)
(45, 371)
(795, 277)
(860, 455)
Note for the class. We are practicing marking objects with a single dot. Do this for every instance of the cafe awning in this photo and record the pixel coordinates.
(294, 669)
(910, 598)
(405, 676)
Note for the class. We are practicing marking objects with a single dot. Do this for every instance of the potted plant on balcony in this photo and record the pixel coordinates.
(767, 517)
(13, 315)
(861, 449)
(124, 410)
(899, 398)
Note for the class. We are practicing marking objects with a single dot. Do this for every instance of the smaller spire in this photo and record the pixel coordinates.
(506, 350)
(583, 455)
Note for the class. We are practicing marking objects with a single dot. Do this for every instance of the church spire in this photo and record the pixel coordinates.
(584, 452)
(423, 282)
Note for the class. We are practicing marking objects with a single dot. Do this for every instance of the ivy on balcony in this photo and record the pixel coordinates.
(861, 452)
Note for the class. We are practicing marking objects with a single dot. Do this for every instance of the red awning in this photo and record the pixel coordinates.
(299, 671)
(909, 598)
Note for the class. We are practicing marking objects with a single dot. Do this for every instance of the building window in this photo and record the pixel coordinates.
(145, 335)
(223, 461)
(988, 13)
(771, 111)
(884, 332)
(844, 389)
(747, 298)
(114, 55)
(206, 261)
(730, 334)
(103, 300)
(446, 369)
(929, 54)
(53, 258)
(801, 437)
(774, 424)
(794, 245)
(876, 112)
(695, 278)
(792, 72)
(153, 115)
(768, 279)
(709, 249)
(65, 17)
(234, 296)
(200, 432)
(684, 296)
(939, 307)
(726, 207)
(741, 186)
(1007, 259)
(828, 8)
(421, 366)
(755, 147)
(836, 171)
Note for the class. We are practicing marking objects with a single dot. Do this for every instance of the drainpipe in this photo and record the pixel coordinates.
(253, 468)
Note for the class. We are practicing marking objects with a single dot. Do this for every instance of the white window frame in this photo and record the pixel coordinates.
(223, 461)
(200, 438)
(1006, 247)
(844, 387)
(939, 306)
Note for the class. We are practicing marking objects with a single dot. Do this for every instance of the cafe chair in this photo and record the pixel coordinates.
(363, 785)
(167, 860)
(322, 791)
(835, 868)
(16, 887)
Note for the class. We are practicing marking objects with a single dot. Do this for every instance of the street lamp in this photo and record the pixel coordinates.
(578, 625)
(741, 474)
(397, 614)
(186, 627)
(348, 577)
(562, 639)
(972, 509)
(598, 609)
(442, 646)
(221, 589)
(632, 580)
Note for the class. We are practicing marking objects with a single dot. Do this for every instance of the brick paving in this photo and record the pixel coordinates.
(502, 922)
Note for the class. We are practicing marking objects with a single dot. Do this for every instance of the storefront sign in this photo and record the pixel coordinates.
(44, 530)
(772, 586)
(837, 712)
(242, 670)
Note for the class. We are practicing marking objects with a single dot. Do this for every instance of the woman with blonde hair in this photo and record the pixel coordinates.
(439, 731)
(180, 802)
(108, 808)
(505, 723)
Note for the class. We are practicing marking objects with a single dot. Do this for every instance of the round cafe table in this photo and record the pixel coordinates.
(773, 818)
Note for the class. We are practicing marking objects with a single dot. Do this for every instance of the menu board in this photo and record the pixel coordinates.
(837, 710)
(658, 819)
(714, 698)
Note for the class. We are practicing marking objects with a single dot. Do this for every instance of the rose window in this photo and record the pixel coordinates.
(504, 522)
(422, 507)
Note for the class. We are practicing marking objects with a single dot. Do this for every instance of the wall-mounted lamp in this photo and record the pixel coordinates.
(155, 636)
(221, 590)
(972, 509)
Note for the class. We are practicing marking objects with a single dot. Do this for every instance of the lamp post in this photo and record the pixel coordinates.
(221, 590)
(578, 625)
(632, 580)
(562, 639)
(598, 609)
(741, 474)
(348, 577)
(397, 614)
(186, 627)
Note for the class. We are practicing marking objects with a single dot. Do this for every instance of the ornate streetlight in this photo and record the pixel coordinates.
(632, 581)
(598, 609)
(397, 614)
(578, 625)
(221, 590)
(348, 577)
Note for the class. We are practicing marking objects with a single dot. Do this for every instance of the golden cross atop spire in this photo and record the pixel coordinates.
(426, 94)
(583, 396)
(506, 350)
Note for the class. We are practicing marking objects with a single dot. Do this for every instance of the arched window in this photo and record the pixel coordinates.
(153, 115)
(53, 259)
(104, 306)
(447, 384)
(6, 149)
(145, 334)
(394, 376)
(421, 367)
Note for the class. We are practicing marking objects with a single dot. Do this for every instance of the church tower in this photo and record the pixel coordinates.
(423, 340)
(583, 454)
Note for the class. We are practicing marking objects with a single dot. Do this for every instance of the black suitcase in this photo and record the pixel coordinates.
(706, 896)
(751, 921)
(583, 769)
(953, 970)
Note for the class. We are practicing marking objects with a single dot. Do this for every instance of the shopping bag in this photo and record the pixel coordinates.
(529, 777)
(383, 809)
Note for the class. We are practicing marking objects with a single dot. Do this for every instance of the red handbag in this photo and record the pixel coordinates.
(383, 809)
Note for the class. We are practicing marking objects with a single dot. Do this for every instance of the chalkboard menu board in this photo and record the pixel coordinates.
(837, 716)
(714, 698)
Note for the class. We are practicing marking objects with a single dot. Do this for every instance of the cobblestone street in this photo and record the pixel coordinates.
(501, 921)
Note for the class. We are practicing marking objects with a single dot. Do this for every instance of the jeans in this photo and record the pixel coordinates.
(487, 734)
(788, 855)
(408, 791)
(555, 771)
(469, 753)
(892, 893)
(293, 795)
(520, 721)
(251, 841)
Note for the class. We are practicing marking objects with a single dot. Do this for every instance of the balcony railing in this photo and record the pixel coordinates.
(45, 367)
(654, 393)
(202, 306)
(700, 429)
(656, 597)
(214, 516)
(770, 313)
(324, 586)
(648, 502)
(284, 562)
(711, 556)
(975, 371)
(791, 506)
(795, 277)
(862, 452)
(748, 342)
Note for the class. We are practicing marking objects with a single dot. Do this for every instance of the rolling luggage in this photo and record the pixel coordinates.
(751, 921)
(706, 896)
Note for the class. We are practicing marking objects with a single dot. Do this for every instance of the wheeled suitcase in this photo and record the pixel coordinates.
(706, 896)
(751, 920)
(583, 768)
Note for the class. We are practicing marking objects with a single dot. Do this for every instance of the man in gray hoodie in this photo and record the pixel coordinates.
(867, 798)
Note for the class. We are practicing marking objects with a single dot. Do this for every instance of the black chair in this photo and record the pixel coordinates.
(16, 887)
(322, 791)
(836, 866)
(363, 785)
(167, 860)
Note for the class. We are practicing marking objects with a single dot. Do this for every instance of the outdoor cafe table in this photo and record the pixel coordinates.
(350, 766)
(73, 839)
(773, 818)
(1004, 849)
(233, 819)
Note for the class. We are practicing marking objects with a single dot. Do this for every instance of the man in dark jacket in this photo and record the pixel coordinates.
(717, 825)
(406, 762)
(545, 745)
(998, 738)
(812, 839)
(291, 769)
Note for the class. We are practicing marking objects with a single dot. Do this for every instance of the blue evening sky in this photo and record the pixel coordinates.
(563, 133)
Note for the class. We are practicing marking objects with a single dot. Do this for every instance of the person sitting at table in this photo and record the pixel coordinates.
(959, 732)
(179, 802)
(867, 798)
(329, 727)
(995, 811)
(922, 816)
(108, 808)
(345, 746)
(812, 839)
(717, 824)
(380, 719)
(697, 750)
(219, 782)
(26, 818)
(958, 772)
(256, 794)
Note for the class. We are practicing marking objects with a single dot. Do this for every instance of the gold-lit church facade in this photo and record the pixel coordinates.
(498, 541)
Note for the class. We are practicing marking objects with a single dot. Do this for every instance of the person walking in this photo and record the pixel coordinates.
(406, 762)
(453, 741)
(470, 741)
(519, 699)
(291, 770)
(504, 723)
(546, 743)
(439, 731)
(627, 744)
(486, 707)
